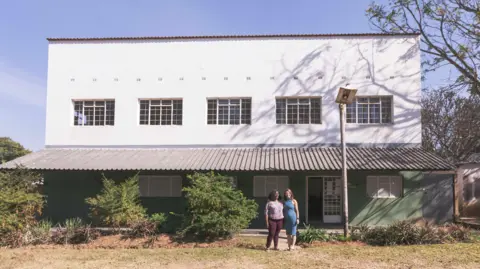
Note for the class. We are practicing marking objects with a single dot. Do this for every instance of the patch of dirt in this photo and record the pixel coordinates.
(120, 242)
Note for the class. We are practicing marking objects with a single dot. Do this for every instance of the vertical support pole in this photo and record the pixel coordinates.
(344, 170)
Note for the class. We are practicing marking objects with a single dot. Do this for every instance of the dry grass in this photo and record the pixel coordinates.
(247, 255)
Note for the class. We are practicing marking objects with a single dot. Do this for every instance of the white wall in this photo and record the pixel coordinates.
(393, 64)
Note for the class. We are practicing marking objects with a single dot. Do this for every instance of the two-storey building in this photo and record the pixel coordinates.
(260, 109)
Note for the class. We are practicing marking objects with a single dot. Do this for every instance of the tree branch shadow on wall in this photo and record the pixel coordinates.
(305, 78)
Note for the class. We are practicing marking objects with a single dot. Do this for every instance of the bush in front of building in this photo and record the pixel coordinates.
(117, 205)
(408, 233)
(20, 205)
(215, 209)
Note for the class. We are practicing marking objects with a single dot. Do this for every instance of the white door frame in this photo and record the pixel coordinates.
(323, 201)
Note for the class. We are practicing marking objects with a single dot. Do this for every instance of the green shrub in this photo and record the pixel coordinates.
(214, 208)
(118, 204)
(311, 234)
(20, 204)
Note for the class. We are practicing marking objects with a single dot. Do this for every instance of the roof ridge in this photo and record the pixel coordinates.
(226, 36)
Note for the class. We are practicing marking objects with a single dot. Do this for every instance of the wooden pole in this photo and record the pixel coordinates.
(344, 170)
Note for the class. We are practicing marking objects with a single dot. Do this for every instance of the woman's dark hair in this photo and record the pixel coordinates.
(271, 196)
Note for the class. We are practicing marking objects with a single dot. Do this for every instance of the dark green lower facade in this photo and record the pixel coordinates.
(423, 195)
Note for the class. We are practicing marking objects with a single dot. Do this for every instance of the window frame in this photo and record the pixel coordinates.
(285, 116)
(240, 104)
(368, 112)
(172, 117)
(105, 114)
(170, 177)
(391, 179)
(267, 192)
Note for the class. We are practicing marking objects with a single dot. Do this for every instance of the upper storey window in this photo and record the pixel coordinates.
(229, 111)
(94, 112)
(304, 110)
(370, 110)
(161, 112)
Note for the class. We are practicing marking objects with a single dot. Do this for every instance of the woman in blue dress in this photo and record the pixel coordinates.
(291, 216)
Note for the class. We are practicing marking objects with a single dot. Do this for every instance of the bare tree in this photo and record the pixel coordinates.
(449, 29)
(451, 124)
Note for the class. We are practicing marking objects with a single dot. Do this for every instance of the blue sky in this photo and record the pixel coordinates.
(24, 25)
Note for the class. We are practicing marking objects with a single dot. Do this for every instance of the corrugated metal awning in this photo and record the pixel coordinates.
(231, 159)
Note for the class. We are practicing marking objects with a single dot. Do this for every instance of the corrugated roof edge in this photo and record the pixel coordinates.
(226, 36)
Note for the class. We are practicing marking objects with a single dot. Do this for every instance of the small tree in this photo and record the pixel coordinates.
(214, 208)
(118, 204)
(20, 204)
(10, 150)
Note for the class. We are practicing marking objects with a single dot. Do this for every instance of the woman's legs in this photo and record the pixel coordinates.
(272, 227)
(278, 227)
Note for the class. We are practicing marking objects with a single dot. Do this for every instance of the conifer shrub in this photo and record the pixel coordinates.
(117, 205)
(20, 205)
(215, 209)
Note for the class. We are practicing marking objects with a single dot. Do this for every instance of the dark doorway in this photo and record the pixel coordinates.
(315, 199)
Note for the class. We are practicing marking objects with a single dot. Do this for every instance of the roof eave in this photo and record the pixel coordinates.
(50, 39)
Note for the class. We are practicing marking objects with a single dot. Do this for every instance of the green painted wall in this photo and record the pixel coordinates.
(66, 193)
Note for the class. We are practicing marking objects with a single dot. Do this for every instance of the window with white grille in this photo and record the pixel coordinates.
(93, 112)
(263, 185)
(298, 110)
(384, 186)
(161, 112)
(231, 111)
(370, 110)
(160, 186)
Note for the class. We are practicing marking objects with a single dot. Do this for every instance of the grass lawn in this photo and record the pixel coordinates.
(329, 256)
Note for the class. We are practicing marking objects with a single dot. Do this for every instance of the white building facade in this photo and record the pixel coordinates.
(240, 91)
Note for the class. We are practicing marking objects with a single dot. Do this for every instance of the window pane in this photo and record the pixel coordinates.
(281, 111)
(144, 107)
(212, 112)
(362, 113)
(223, 102)
(110, 113)
(396, 188)
(155, 102)
(89, 115)
(166, 102)
(372, 186)
(166, 115)
(176, 186)
(235, 114)
(246, 111)
(222, 115)
(155, 112)
(177, 112)
(374, 113)
(99, 116)
(304, 114)
(352, 113)
(259, 187)
(384, 187)
(78, 117)
(99, 103)
(292, 114)
(159, 187)
(143, 185)
(316, 111)
(386, 109)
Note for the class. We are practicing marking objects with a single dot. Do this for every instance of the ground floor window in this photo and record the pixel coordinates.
(263, 185)
(472, 190)
(160, 186)
(384, 186)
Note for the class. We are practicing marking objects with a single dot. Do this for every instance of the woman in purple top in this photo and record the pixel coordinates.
(273, 218)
